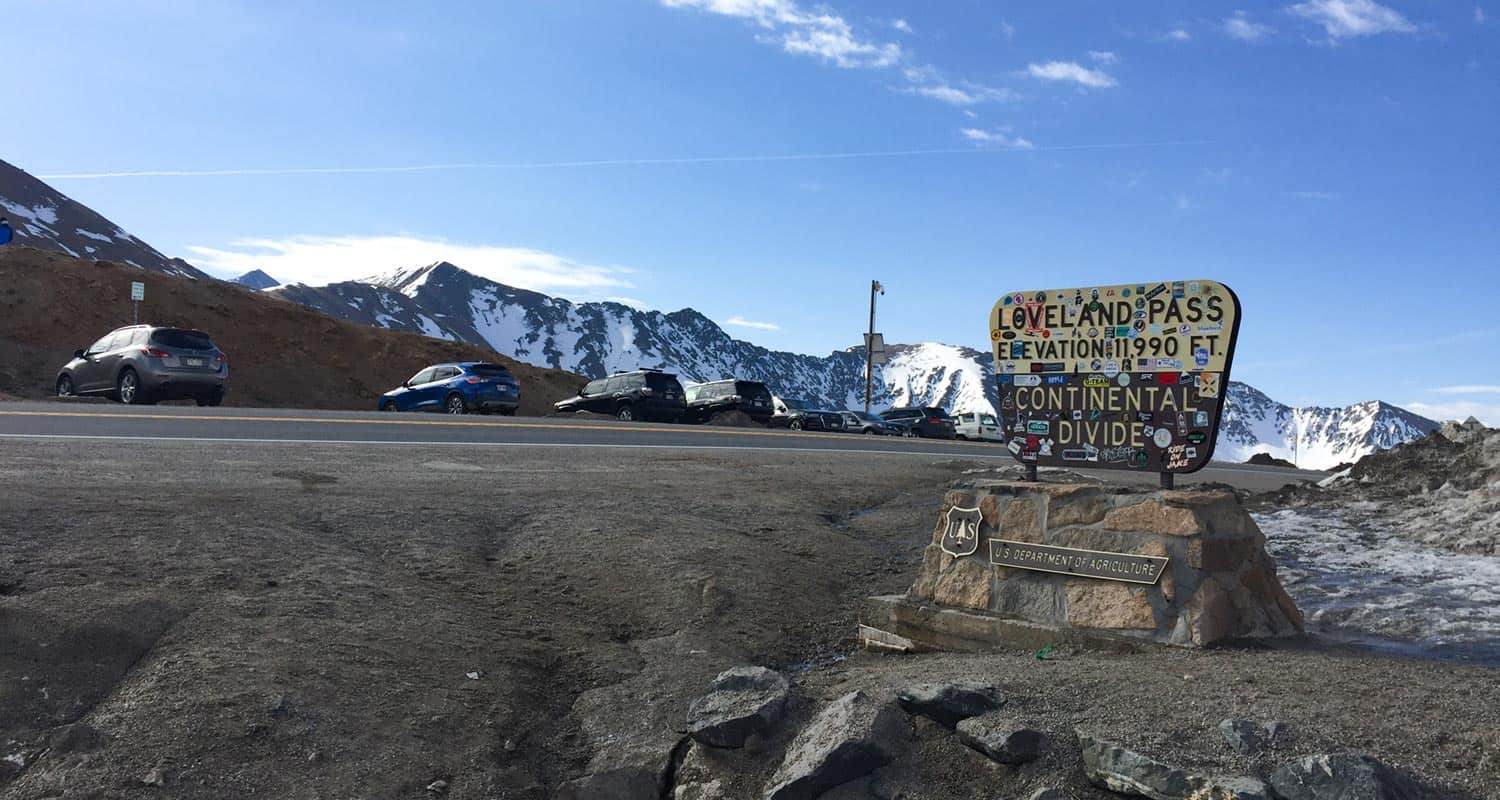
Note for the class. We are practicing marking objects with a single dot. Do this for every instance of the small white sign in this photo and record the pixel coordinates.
(137, 291)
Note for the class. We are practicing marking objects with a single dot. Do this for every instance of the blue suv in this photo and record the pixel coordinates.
(457, 389)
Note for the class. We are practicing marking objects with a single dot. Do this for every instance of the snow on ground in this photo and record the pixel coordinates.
(91, 235)
(1370, 584)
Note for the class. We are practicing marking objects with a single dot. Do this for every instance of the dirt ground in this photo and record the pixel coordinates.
(280, 354)
(355, 621)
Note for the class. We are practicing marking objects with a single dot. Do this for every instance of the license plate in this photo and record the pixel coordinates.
(194, 362)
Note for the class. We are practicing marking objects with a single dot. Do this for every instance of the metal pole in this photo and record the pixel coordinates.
(869, 351)
(1168, 480)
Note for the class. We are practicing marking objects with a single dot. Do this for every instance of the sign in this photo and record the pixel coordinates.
(875, 345)
(1115, 377)
(1127, 567)
(137, 291)
(961, 534)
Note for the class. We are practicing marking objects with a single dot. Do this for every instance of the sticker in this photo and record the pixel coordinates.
(1162, 437)
(1144, 416)
(1200, 419)
(1167, 378)
(1042, 427)
(1008, 335)
(1214, 328)
(1052, 366)
(1095, 382)
(1028, 380)
(1156, 290)
(1077, 415)
(1111, 368)
(1197, 437)
(1056, 380)
(1208, 384)
(1123, 379)
(1200, 357)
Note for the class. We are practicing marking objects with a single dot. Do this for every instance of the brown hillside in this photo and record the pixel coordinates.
(280, 354)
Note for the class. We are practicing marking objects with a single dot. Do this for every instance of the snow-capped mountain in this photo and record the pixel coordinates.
(595, 339)
(1313, 437)
(46, 219)
(256, 279)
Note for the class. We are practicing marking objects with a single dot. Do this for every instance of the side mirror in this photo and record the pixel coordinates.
(581, 388)
(406, 384)
(78, 354)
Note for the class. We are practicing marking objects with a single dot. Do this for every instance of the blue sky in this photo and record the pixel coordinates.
(1335, 161)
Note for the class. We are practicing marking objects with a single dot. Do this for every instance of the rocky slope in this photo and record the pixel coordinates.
(47, 219)
(594, 339)
(257, 279)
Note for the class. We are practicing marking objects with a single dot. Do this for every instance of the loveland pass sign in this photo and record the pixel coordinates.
(1116, 377)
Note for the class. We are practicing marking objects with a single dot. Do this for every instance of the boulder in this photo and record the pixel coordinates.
(948, 703)
(740, 702)
(853, 736)
(1249, 738)
(1118, 769)
(1341, 776)
(1048, 793)
(1001, 739)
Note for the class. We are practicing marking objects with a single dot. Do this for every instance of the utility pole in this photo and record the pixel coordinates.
(875, 288)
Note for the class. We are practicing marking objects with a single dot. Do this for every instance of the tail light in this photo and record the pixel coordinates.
(221, 359)
(472, 379)
(152, 352)
(935, 420)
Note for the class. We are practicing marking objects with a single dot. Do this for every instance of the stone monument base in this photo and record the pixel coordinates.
(1217, 581)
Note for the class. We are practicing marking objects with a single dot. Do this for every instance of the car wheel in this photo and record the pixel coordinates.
(128, 387)
(795, 425)
(389, 406)
(64, 386)
(625, 413)
(455, 404)
(868, 431)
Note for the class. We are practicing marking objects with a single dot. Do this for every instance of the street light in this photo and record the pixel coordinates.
(875, 288)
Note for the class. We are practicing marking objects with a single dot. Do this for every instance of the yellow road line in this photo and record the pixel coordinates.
(446, 422)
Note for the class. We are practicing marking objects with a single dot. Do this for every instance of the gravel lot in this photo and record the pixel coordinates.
(340, 621)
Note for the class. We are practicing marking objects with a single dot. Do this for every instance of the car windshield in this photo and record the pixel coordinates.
(491, 371)
(866, 416)
(795, 405)
(187, 340)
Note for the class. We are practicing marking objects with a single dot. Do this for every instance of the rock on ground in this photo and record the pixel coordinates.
(740, 702)
(1002, 739)
(853, 736)
(1341, 776)
(948, 703)
(1118, 769)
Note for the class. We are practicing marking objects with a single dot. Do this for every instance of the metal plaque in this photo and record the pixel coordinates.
(961, 534)
(137, 291)
(1115, 377)
(1127, 567)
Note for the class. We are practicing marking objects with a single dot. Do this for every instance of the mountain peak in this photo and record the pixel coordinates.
(257, 279)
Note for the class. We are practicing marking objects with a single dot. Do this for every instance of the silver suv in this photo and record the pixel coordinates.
(145, 363)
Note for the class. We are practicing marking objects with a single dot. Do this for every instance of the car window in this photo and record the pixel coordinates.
(102, 345)
(660, 381)
(187, 340)
(425, 376)
(490, 371)
(445, 373)
(614, 385)
(595, 387)
(988, 419)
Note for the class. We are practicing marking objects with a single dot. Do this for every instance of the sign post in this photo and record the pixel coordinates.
(870, 361)
(137, 294)
(1128, 377)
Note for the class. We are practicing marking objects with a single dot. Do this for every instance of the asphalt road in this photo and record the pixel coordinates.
(85, 421)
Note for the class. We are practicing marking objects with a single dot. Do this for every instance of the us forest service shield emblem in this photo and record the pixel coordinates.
(961, 532)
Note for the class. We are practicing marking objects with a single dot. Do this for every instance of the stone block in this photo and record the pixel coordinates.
(1022, 521)
(1153, 516)
(927, 574)
(1075, 504)
(1109, 604)
(965, 585)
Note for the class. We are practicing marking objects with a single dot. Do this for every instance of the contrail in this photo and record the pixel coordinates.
(618, 162)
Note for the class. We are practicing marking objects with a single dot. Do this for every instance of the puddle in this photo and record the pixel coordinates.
(1367, 585)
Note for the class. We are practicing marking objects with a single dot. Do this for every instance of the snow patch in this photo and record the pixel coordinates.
(91, 235)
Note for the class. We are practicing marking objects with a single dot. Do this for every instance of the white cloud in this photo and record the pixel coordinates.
(1240, 26)
(629, 301)
(967, 94)
(1307, 195)
(1104, 57)
(1346, 18)
(1007, 29)
(1179, 35)
(1472, 389)
(319, 260)
(901, 25)
(1071, 71)
(740, 322)
(1488, 413)
(825, 36)
(1478, 15)
(996, 138)
(1184, 203)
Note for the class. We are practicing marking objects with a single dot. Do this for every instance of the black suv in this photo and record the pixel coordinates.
(799, 415)
(925, 421)
(645, 394)
(707, 399)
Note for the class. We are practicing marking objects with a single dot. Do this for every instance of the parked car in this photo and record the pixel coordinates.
(456, 389)
(707, 399)
(977, 425)
(645, 394)
(866, 423)
(799, 415)
(142, 364)
(927, 422)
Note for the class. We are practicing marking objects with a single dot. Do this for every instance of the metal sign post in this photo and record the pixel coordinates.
(869, 345)
(137, 294)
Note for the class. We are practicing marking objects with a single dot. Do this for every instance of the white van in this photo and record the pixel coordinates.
(977, 426)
